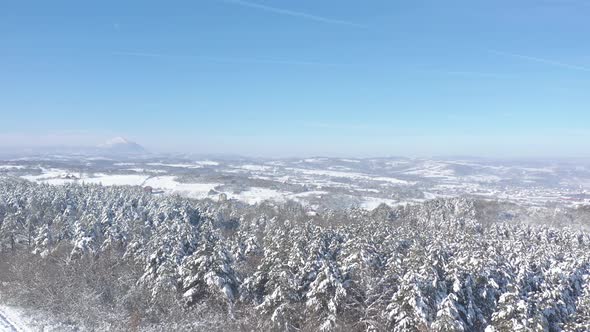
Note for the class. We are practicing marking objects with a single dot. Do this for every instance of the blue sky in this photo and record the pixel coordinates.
(279, 78)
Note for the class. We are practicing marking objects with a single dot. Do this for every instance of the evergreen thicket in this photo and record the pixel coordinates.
(121, 259)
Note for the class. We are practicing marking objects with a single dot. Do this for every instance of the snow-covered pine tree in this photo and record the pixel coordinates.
(208, 272)
(43, 241)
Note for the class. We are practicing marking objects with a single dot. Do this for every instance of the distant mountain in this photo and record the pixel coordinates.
(120, 145)
(117, 147)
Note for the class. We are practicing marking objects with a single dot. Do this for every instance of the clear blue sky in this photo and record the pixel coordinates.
(307, 77)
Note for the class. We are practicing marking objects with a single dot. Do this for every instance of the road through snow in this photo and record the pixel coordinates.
(7, 325)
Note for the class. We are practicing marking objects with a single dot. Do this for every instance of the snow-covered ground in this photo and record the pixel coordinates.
(371, 203)
(368, 182)
(256, 195)
(170, 185)
(12, 320)
(176, 165)
(15, 319)
(8, 167)
(350, 175)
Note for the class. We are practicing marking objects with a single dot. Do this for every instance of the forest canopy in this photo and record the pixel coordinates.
(122, 259)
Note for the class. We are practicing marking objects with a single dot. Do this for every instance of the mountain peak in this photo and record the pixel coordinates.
(117, 140)
(121, 145)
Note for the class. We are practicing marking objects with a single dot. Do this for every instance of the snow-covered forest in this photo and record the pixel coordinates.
(121, 259)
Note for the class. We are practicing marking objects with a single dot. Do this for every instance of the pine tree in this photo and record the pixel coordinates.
(449, 315)
(208, 272)
(43, 241)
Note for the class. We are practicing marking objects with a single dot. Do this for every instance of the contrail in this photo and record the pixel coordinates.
(467, 73)
(541, 60)
(293, 13)
(226, 60)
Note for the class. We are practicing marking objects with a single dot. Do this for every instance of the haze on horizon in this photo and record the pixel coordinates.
(275, 78)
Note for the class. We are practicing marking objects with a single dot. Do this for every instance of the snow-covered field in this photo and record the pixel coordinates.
(313, 181)
(170, 185)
